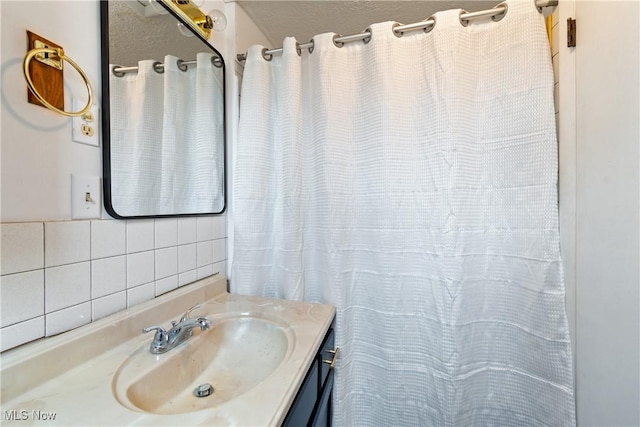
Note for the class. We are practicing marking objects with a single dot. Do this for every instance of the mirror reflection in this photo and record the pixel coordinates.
(164, 145)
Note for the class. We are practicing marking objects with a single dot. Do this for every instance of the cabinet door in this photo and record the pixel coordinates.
(303, 405)
(322, 414)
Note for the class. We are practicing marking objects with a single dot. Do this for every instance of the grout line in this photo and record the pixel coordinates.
(25, 320)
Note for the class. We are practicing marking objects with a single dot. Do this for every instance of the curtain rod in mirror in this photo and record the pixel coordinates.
(120, 71)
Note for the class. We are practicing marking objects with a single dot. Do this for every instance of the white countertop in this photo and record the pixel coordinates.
(70, 376)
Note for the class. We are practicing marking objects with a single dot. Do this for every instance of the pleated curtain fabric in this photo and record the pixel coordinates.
(164, 127)
(411, 182)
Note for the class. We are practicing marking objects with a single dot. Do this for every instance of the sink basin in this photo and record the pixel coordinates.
(234, 356)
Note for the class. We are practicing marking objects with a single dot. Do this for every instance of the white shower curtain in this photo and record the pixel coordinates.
(164, 127)
(411, 182)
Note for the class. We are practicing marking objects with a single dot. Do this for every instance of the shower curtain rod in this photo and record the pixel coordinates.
(158, 67)
(422, 25)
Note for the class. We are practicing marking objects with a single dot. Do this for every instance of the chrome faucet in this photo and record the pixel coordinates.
(181, 331)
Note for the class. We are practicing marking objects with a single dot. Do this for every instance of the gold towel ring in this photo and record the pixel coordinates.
(60, 53)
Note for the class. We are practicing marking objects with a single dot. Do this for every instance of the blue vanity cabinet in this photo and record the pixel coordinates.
(312, 405)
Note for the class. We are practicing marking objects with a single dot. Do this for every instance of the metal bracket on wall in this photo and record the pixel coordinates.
(46, 72)
(571, 32)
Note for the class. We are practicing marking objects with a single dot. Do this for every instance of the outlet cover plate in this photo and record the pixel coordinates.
(86, 131)
(83, 206)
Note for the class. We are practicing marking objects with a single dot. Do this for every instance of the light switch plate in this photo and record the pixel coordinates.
(86, 196)
(86, 130)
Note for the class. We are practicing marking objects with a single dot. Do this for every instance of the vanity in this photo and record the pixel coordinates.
(256, 361)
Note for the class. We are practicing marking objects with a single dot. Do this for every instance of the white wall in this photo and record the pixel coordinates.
(607, 209)
(37, 153)
(248, 34)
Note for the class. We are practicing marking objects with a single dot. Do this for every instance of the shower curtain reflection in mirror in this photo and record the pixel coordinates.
(166, 138)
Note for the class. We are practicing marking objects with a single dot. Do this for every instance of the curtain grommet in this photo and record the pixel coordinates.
(265, 55)
(463, 22)
(216, 61)
(158, 67)
(496, 18)
(298, 50)
(433, 18)
(398, 34)
(117, 73)
(335, 42)
(313, 43)
(366, 40)
(181, 65)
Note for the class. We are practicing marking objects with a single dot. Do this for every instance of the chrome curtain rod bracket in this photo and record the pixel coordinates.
(422, 25)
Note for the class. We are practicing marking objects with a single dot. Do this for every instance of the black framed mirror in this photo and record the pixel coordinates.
(163, 120)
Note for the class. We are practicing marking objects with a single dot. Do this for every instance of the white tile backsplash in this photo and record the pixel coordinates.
(166, 232)
(219, 250)
(21, 297)
(186, 258)
(66, 242)
(167, 284)
(22, 246)
(108, 275)
(219, 227)
(187, 277)
(96, 268)
(140, 268)
(67, 285)
(204, 228)
(102, 307)
(140, 294)
(204, 253)
(187, 230)
(205, 271)
(220, 267)
(166, 262)
(140, 235)
(20, 333)
(69, 318)
(108, 238)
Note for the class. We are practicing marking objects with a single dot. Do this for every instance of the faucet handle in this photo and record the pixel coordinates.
(186, 314)
(159, 329)
(160, 338)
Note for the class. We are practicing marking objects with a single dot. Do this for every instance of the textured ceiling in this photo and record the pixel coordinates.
(304, 19)
(133, 37)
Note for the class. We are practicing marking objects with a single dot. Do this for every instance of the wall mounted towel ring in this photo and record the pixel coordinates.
(61, 55)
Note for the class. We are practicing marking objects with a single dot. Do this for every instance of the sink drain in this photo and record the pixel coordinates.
(203, 390)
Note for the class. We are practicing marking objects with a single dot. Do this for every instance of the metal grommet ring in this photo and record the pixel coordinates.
(430, 28)
(499, 17)
(181, 65)
(335, 42)
(158, 67)
(216, 61)
(367, 39)
(313, 43)
(398, 34)
(298, 50)
(265, 55)
(463, 22)
(61, 55)
(117, 73)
